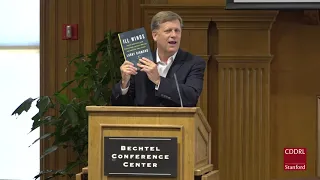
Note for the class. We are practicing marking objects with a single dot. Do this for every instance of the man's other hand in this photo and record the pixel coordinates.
(151, 69)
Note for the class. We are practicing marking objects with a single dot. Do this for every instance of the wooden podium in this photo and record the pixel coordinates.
(187, 126)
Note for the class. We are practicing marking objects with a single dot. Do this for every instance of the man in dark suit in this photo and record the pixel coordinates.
(154, 83)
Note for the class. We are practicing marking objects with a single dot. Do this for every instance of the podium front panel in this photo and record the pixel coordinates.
(134, 124)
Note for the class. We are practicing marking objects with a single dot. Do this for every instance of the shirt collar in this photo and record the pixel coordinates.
(171, 58)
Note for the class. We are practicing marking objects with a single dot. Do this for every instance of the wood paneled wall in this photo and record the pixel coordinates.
(53, 61)
(255, 104)
(294, 89)
(102, 16)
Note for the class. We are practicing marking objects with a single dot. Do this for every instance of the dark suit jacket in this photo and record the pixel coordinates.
(189, 70)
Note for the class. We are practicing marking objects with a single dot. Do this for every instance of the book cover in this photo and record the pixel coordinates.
(135, 45)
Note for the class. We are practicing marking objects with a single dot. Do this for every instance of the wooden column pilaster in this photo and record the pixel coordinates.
(244, 93)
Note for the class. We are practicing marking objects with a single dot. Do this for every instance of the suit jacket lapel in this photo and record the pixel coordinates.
(178, 61)
(154, 55)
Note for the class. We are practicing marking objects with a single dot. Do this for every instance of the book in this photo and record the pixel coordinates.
(135, 45)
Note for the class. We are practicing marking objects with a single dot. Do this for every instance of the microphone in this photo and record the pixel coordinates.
(177, 85)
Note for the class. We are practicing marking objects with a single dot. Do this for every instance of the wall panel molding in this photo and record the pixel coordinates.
(244, 123)
(243, 59)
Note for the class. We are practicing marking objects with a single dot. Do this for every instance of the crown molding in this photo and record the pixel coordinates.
(184, 10)
(243, 59)
(199, 16)
(157, 1)
(194, 16)
(205, 57)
